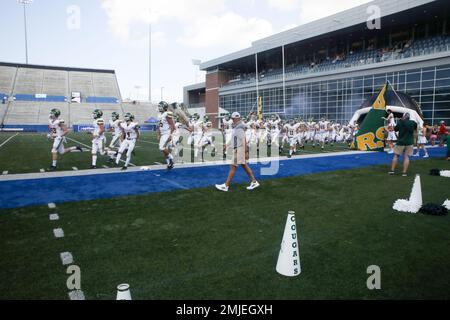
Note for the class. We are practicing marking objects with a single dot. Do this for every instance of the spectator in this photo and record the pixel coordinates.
(405, 144)
(442, 134)
(434, 135)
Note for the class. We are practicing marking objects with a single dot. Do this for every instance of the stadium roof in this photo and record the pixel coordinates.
(336, 22)
(34, 66)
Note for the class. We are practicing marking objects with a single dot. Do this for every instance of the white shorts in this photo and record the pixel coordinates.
(391, 136)
(58, 145)
(127, 144)
(98, 145)
(422, 140)
(322, 136)
(164, 141)
(292, 141)
(176, 139)
(206, 141)
(115, 142)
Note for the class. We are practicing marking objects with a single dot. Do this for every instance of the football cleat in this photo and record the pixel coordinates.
(170, 165)
(93, 167)
(52, 168)
(253, 186)
(79, 149)
(124, 168)
(222, 187)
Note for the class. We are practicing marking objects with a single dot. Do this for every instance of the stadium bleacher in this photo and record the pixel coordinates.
(402, 50)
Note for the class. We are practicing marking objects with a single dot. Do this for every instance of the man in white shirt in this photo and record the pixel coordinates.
(239, 150)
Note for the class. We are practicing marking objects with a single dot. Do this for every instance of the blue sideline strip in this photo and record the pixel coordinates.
(22, 193)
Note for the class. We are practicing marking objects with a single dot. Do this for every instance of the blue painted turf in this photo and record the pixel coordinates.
(22, 193)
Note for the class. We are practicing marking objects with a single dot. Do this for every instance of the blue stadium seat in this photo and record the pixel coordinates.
(31, 97)
(102, 100)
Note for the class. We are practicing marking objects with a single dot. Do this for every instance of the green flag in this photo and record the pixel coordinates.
(370, 136)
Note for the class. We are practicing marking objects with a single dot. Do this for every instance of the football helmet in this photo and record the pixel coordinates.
(55, 113)
(163, 106)
(97, 114)
(129, 117)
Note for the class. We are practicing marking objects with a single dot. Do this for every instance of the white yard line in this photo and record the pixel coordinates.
(85, 145)
(9, 139)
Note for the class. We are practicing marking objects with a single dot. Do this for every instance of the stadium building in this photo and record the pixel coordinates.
(329, 67)
(29, 92)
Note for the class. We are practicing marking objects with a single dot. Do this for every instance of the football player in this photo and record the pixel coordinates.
(207, 138)
(58, 132)
(98, 137)
(165, 131)
(177, 138)
(291, 133)
(114, 127)
(227, 130)
(130, 132)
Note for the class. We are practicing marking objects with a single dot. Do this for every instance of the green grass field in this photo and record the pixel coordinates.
(29, 153)
(203, 244)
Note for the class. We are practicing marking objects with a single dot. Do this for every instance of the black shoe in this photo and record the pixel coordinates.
(93, 167)
(79, 149)
(124, 168)
(52, 168)
(170, 165)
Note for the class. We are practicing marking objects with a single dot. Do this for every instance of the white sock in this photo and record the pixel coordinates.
(119, 156)
(170, 156)
(54, 163)
(128, 161)
(291, 152)
(94, 160)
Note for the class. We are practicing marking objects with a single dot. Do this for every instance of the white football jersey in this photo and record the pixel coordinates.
(97, 124)
(292, 129)
(164, 126)
(227, 124)
(274, 124)
(131, 129)
(55, 126)
(116, 126)
(198, 127)
(208, 129)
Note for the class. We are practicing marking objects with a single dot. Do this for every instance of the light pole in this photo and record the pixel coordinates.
(24, 3)
(196, 63)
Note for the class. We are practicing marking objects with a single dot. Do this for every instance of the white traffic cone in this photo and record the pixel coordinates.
(414, 203)
(445, 173)
(289, 258)
(123, 292)
(416, 195)
(447, 204)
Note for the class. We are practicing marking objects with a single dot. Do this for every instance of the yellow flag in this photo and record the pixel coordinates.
(260, 108)
(380, 102)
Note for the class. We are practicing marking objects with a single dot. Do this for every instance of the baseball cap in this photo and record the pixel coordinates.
(236, 115)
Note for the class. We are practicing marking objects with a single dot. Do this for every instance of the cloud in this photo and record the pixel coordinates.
(202, 24)
(230, 28)
(122, 14)
(283, 4)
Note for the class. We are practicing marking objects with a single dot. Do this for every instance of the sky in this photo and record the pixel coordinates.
(113, 34)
